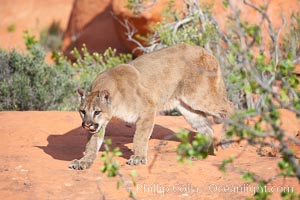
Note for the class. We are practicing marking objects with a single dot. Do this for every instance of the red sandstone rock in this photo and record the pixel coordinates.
(91, 23)
(143, 21)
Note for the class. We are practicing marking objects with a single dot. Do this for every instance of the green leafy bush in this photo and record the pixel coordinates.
(28, 83)
(89, 65)
(199, 148)
(112, 167)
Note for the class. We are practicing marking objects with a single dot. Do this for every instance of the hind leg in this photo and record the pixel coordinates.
(219, 111)
(197, 120)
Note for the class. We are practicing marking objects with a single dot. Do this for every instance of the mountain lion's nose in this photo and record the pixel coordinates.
(90, 126)
(86, 125)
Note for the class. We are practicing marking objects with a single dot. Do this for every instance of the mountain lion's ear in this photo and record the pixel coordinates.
(104, 96)
(81, 93)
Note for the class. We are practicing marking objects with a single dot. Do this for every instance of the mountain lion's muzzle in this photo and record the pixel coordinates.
(92, 127)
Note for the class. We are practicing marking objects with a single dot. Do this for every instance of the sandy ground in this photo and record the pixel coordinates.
(36, 148)
(32, 15)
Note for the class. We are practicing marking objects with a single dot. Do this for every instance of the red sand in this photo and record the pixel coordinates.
(36, 148)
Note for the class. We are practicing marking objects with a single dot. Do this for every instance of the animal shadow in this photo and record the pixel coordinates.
(71, 145)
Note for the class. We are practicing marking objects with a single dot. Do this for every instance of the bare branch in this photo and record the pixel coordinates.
(203, 22)
(274, 37)
(130, 32)
(264, 14)
(180, 23)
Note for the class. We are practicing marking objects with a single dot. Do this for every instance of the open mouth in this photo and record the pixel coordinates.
(92, 129)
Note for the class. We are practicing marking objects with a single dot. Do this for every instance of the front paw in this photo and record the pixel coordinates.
(137, 160)
(80, 164)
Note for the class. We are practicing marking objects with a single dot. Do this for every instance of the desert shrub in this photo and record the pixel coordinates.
(88, 65)
(28, 83)
(51, 37)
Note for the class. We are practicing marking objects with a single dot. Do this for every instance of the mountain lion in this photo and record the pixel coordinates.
(183, 76)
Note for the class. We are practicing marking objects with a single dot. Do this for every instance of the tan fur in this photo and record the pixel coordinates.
(182, 76)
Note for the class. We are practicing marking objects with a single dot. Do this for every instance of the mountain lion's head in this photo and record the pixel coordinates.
(95, 109)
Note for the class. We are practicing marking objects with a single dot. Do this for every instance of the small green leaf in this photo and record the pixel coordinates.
(250, 111)
(263, 7)
(226, 162)
(119, 184)
(225, 3)
(108, 141)
(101, 132)
(283, 96)
(248, 88)
(233, 78)
(133, 173)
(103, 169)
(132, 194)
(248, 176)
(11, 28)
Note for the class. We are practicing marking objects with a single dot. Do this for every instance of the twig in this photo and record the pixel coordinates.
(180, 23)
(290, 156)
(284, 148)
(130, 32)
(120, 175)
(271, 30)
(203, 21)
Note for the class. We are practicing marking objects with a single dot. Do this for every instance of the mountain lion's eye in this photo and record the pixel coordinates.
(82, 111)
(97, 112)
